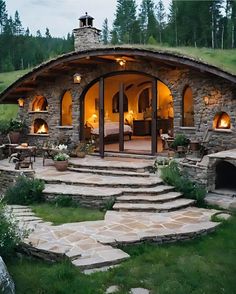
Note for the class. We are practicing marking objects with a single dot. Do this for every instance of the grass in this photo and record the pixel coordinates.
(9, 111)
(61, 215)
(224, 59)
(203, 266)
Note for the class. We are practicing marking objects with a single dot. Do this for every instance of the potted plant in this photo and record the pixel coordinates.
(61, 161)
(83, 148)
(15, 128)
(180, 143)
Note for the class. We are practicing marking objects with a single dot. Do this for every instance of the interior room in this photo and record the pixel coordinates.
(137, 101)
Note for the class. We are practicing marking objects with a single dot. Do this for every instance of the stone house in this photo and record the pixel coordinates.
(126, 97)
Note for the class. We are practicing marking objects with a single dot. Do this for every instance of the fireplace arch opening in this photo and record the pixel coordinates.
(40, 127)
(39, 104)
(222, 121)
(225, 176)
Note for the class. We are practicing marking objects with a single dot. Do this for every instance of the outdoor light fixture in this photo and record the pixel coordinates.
(121, 61)
(21, 102)
(94, 117)
(77, 78)
(206, 100)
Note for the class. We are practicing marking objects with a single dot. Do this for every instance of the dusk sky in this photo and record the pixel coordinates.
(61, 16)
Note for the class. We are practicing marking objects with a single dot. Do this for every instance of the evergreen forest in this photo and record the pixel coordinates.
(210, 24)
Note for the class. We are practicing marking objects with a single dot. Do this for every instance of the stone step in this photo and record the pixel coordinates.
(154, 207)
(152, 191)
(91, 180)
(86, 196)
(112, 163)
(110, 172)
(101, 259)
(170, 196)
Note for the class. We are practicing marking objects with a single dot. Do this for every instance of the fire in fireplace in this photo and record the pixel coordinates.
(39, 104)
(222, 121)
(40, 127)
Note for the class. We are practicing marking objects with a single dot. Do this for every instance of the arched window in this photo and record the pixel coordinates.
(188, 108)
(143, 101)
(39, 103)
(115, 103)
(66, 109)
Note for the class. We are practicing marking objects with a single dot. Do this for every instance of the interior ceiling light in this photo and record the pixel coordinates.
(121, 61)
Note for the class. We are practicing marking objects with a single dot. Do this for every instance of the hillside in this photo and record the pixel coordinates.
(224, 59)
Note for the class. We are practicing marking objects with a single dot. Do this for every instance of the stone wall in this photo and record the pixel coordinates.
(220, 95)
(8, 177)
(86, 38)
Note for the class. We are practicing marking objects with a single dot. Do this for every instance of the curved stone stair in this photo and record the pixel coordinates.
(148, 206)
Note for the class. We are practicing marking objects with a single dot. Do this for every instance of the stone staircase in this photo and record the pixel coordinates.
(94, 181)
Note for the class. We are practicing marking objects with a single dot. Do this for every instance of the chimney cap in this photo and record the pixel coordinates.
(86, 16)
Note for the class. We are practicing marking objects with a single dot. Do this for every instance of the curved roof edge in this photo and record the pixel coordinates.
(164, 56)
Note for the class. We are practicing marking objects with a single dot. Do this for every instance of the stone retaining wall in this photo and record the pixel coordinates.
(85, 201)
(197, 174)
(8, 177)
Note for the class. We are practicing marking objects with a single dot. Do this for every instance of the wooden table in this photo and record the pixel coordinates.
(23, 152)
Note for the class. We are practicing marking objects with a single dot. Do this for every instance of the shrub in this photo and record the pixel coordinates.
(108, 204)
(10, 234)
(16, 125)
(64, 201)
(180, 140)
(172, 176)
(4, 127)
(25, 191)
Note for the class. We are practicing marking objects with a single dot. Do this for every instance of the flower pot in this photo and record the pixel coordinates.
(14, 137)
(194, 146)
(61, 165)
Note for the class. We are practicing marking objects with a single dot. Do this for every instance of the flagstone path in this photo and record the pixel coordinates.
(93, 244)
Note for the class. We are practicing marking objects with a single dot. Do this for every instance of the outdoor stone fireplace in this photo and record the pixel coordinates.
(222, 121)
(39, 104)
(40, 127)
(225, 175)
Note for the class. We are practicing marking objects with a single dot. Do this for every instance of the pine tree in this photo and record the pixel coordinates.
(38, 34)
(3, 15)
(105, 32)
(161, 14)
(18, 29)
(147, 19)
(47, 33)
(125, 21)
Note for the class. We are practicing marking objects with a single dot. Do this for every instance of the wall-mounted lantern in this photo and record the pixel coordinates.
(206, 100)
(77, 78)
(21, 102)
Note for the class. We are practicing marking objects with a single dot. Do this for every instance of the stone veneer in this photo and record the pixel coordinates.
(86, 37)
(219, 92)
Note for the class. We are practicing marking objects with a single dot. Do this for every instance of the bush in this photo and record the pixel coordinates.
(64, 201)
(172, 176)
(180, 140)
(4, 127)
(25, 191)
(10, 234)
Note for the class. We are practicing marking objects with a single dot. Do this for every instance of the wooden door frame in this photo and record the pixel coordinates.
(101, 81)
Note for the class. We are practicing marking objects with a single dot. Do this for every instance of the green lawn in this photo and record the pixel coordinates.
(204, 266)
(62, 215)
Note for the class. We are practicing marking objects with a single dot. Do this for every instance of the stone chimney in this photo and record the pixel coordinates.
(86, 36)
